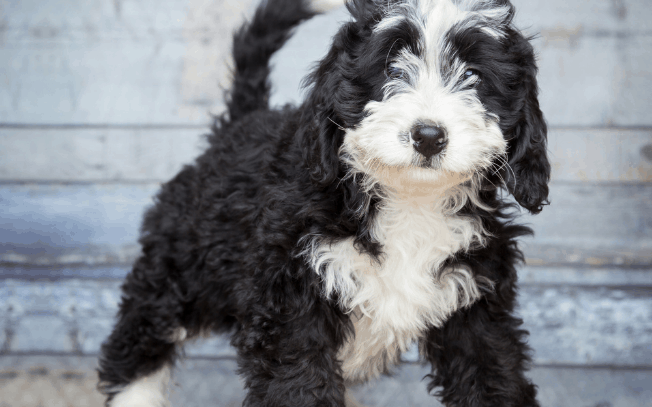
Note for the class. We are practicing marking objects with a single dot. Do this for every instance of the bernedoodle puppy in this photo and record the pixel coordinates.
(327, 238)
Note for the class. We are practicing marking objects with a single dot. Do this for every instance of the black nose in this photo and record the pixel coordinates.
(429, 139)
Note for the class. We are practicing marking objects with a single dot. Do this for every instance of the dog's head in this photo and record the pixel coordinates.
(430, 91)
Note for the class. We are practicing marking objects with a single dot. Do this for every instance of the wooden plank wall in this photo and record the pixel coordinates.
(101, 100)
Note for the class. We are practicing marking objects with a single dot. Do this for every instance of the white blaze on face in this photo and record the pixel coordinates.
(383, 140)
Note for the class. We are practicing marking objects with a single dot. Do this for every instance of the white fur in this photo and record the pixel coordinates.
(148, 391)
(394, 300)
(179, 335)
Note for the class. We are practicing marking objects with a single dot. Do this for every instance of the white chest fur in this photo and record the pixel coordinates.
(394, 300)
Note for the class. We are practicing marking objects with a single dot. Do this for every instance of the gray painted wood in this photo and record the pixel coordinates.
(32, 20)
(98, 224)
(72, 224)
(595, 217)
(102, 61)
(586, 276)
(569, 325)
(60, 66)
(215, 383)
(562, 253)
(600, 155)
(108, 154)
(595, 80)
(593, 17)
(141, 154)
(580, 325)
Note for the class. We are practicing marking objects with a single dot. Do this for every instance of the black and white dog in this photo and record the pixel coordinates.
(329, 237)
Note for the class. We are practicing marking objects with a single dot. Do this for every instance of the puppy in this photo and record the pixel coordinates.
(329, 237)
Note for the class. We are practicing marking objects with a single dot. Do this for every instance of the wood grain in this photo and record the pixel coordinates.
(596, 216)
(600, 155)
(166, 63)
(98, 224)
(579, 325)
(71, 380)
(120, 61)
(576, 324)
(594, 17)
(97, 155)
(595, 80)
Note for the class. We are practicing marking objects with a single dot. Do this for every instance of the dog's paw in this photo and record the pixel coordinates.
(148, 391)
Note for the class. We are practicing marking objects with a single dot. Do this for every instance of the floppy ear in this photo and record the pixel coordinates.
(528, 157)
(337, 95)
(320, 142)
(320, 131)
(333, 105)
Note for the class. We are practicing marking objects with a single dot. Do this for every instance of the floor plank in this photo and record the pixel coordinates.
(85, 224)
(47, 381)
(98, 154)
(569, 324)
(591, 17)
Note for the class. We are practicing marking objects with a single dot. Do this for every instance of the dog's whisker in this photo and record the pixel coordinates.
(388, 53)
(505, 164)
(338, 126)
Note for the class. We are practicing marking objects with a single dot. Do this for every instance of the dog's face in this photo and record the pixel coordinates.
(430, 91)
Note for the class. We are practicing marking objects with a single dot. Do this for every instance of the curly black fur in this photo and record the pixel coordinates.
(221, 247)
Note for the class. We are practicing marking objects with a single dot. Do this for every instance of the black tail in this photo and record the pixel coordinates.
(253, 46)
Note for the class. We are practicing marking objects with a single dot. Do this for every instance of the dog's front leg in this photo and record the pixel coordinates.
(479, 358)
(291, 360)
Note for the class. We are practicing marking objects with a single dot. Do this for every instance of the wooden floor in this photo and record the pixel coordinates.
(102, 100)
(69, 381)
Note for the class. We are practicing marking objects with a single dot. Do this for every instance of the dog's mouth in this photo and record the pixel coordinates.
(433, 163)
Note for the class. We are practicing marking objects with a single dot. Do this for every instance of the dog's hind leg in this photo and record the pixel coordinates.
(176, 290)
(137, 358)
(147, 391)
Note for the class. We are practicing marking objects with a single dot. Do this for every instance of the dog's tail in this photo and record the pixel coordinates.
(255, 43)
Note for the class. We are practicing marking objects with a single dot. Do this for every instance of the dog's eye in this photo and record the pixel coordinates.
(473, 75)
(395, 73)
(469, 73)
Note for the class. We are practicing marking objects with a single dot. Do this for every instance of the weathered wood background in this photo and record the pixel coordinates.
(101, 100)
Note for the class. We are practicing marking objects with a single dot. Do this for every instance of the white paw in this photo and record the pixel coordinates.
(149, 391)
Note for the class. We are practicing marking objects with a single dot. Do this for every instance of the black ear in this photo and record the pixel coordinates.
(335, 102)
(320, 140)
(338, 92)
(530, 170)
